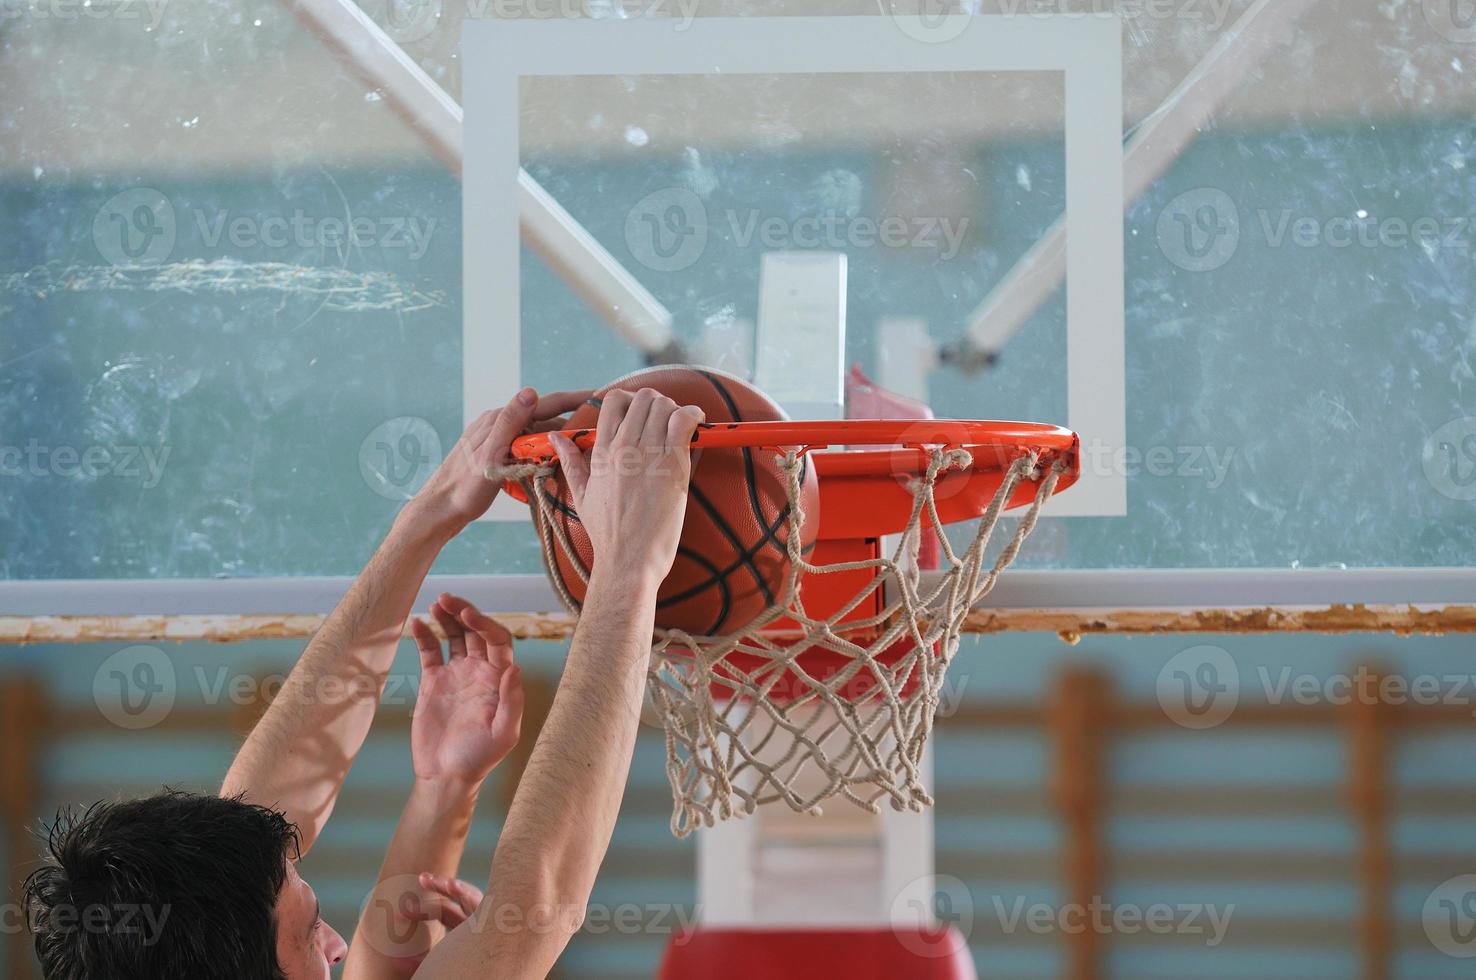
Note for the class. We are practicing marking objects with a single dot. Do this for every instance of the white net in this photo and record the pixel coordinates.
(800, 708)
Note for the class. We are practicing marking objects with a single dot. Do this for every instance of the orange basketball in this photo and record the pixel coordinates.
(732, 560)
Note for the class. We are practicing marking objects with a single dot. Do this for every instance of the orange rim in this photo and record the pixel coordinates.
(865, 492)
(1010, 437)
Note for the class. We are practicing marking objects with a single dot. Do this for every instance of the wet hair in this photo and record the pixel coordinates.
(178, 886)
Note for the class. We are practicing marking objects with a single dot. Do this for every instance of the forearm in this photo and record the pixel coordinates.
(564, 812)
(298, 754)
(430, 837)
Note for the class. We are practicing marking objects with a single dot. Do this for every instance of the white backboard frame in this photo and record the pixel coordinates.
(1085, 49)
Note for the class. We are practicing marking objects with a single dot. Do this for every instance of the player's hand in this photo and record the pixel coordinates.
(631, 490)
(469, 712)
(449, 901)
(459, 491)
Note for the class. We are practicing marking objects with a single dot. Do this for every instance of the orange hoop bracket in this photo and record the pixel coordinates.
(865, 493)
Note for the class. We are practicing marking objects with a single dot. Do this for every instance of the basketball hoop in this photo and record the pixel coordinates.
(832, 689)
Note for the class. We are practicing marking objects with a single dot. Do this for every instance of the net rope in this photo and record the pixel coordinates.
(748, 717)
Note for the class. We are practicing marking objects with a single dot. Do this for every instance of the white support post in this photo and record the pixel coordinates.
(778, 868)
(586, 265)
(906, 355)
(846, 868)
(1155, 145)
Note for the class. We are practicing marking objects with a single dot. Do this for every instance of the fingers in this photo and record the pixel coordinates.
(500, 426)
(560, 402)
(476, 642)
(451, 626)
(426, 642)
(654, 433)
(634, 423)
(679, 431)
(484, 636)
(507, 426)
(507, 727)
(683, 425)
(435, 908)
(555, 424)
(466, 895)
(495, 643)
(575, 465)
(613, 409)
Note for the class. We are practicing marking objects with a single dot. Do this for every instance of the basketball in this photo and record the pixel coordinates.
(733, 558)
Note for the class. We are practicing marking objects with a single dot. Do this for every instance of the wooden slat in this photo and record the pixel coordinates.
(1149, 717)
(964, 718)
(1247, 800)
(1277, 867)
(994, 928)
(22, 715)
(1079, 710)
(1368, 797)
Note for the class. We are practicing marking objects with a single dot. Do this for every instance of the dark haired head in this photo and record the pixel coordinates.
(174, 886)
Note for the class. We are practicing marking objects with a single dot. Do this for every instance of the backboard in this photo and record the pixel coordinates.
(946, 198)
(1163, 230)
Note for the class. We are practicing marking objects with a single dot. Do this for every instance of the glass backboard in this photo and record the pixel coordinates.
(1230, 247)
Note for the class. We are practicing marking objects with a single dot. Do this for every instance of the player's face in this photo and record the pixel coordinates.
(306, 945)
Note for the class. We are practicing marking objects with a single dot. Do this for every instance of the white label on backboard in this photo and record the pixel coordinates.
(800, 355)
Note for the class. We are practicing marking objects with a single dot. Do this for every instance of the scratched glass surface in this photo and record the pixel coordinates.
(231, 275)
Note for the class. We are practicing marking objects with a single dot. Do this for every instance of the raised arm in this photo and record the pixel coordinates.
(631, 497)
(299, 753)
(468, 715)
